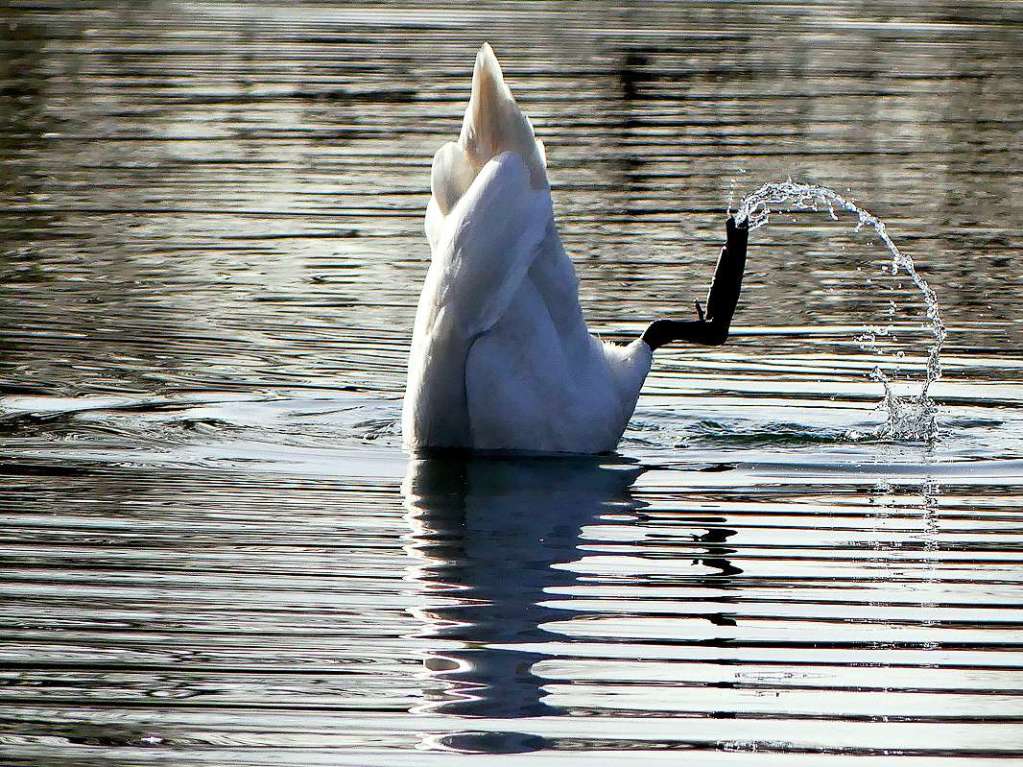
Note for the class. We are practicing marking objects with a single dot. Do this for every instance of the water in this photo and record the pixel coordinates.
(214, 551)
(908, 418)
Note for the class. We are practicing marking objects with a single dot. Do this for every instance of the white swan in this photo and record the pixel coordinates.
(501, 357)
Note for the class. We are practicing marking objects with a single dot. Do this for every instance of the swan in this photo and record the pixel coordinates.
(501, 358)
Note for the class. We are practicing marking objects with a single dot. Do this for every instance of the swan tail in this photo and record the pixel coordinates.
(493, 121)
(493, 124)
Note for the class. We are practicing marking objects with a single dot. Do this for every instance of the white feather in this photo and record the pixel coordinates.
(501, 357)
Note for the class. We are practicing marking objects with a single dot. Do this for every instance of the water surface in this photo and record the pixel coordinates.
(214, 551)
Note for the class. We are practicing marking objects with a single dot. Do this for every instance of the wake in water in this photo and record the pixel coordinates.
(909, 417)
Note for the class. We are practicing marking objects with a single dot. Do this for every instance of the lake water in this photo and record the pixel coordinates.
(213, 550)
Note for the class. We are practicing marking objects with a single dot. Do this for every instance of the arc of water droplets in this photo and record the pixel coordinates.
(907, 418)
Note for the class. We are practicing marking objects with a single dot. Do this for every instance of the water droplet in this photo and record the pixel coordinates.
(908, 417)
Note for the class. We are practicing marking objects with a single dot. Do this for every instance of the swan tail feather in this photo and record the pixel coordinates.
(493, 124)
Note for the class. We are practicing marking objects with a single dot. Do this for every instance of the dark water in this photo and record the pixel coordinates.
(213, 550)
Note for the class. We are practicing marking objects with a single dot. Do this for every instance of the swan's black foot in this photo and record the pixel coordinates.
(727, 285)
(713, 325)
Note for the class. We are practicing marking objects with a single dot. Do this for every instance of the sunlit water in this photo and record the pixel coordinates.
(214, 551)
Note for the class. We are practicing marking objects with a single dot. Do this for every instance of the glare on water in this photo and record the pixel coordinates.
(213, 550)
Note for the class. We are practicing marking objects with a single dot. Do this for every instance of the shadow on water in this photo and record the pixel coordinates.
(491, 537)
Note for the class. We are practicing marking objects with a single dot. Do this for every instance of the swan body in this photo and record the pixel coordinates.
(501, 357)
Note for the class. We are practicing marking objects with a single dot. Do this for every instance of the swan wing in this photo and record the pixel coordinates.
(488, 242)
(451, 177)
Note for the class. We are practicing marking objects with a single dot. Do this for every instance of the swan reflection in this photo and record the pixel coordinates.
(492, 539)
(488, 534)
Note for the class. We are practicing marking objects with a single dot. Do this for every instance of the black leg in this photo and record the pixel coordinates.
(712, 327)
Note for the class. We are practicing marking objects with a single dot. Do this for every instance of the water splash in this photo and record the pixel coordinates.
(909, 417)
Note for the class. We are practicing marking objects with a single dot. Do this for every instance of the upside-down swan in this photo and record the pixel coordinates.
(501, 358)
